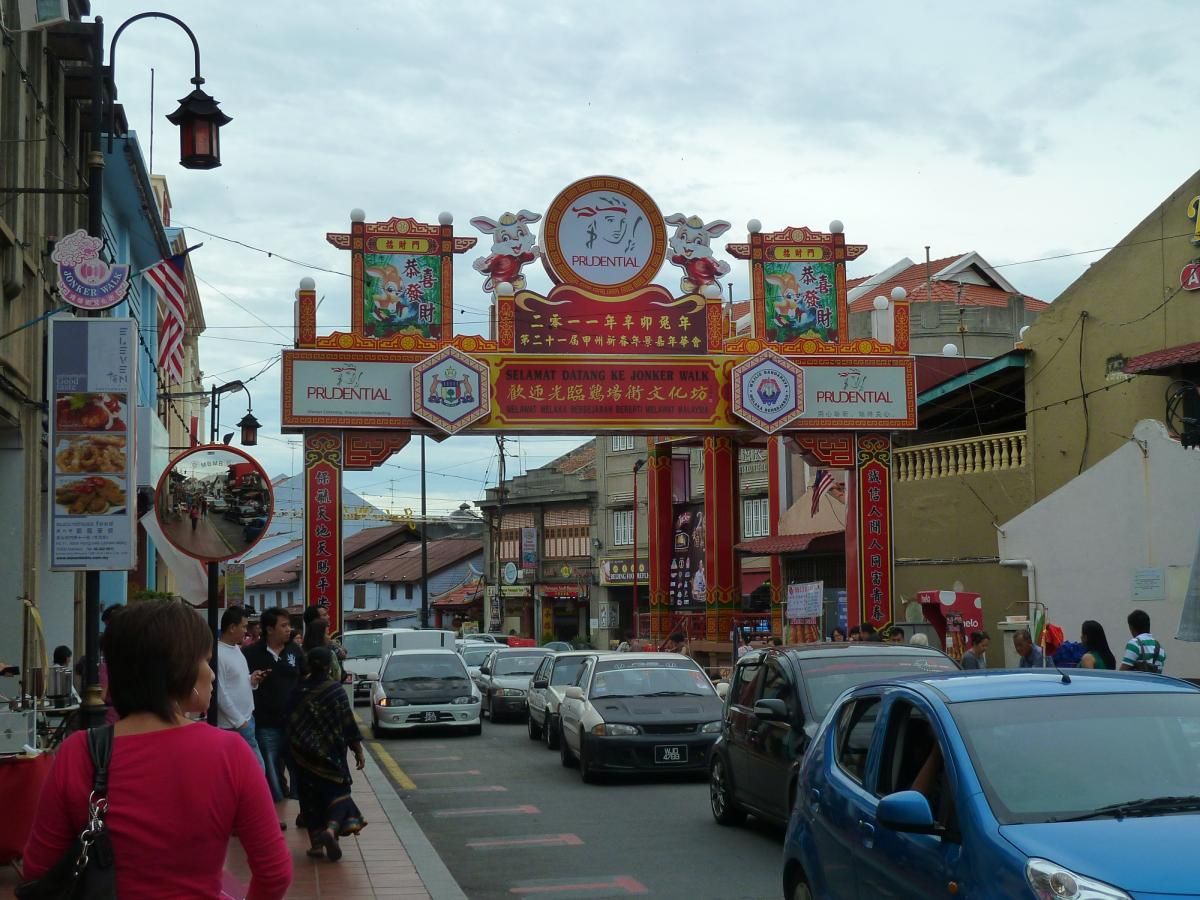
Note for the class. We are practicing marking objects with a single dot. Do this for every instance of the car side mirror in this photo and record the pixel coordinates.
(771, 710)
(574, 692)
(906, 811)
(484, 670)
(722, 689)
(541, 683)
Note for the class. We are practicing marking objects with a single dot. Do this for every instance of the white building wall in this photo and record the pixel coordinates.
(1138, 508)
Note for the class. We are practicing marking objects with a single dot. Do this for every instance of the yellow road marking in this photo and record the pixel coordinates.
(384, 758)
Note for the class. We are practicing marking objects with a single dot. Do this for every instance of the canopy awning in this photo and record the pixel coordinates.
(826, 541)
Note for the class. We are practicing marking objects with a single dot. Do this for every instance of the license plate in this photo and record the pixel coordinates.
(431, 716)
(670, 754)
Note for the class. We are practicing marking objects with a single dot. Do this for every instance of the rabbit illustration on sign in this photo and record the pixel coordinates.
(512, 247)
(690, 250)
(393, 305)
(790, 311)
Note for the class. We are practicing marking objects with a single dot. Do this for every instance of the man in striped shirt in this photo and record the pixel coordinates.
(1143, 653)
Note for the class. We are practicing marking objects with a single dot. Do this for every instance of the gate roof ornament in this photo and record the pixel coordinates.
(768, 391)
(451, 390)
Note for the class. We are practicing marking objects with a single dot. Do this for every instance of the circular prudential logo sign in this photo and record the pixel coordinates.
(605, 235)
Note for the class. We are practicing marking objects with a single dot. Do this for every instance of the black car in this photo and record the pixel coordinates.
(504, 680)
(775, 703)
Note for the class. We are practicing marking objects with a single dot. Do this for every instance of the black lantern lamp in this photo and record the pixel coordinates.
(199, 118)
(249, 426)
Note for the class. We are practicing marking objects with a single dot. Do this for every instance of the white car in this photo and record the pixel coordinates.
(550, 682)
(474, 653)
(424, 688)
(639, 712)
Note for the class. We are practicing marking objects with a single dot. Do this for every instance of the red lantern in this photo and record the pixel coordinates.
(199, 118)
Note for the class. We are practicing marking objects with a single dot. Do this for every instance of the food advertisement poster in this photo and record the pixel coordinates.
(93, 396)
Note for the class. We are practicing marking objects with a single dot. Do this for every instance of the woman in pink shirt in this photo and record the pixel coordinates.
(177, 789)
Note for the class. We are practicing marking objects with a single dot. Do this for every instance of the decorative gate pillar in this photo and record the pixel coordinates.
(721, 527)
(659, 520)
(869, 562)
(776, 480)
(323, 523)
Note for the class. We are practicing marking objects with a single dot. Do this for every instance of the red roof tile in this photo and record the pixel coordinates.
(464, 595)
(403, 564)
(914, 282)
(1163, 359)
(790, 543)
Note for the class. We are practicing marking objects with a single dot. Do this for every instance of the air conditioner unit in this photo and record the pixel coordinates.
(42, 13)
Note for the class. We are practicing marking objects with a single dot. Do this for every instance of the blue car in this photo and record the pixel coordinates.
(1004, 785)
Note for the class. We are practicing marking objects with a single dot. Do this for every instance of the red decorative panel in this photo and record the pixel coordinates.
(306, 318)
(659, 523)
(833, 450)
(323, 522)
(873, 522)
(721, 531)
(900, 316)
(365, 450)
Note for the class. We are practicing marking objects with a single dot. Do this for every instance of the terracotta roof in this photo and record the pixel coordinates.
(464, 595)
(580, 461)
(913, 280)
(403, 564)
(289, 572)
(1163, 359)
(790, 543)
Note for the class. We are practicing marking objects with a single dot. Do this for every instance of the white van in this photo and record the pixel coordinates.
(366, 649)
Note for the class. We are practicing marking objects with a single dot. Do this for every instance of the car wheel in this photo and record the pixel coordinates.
(586, 772)
(720, 794)
(376, 731)
(564, 752)
(550, 733)
(801, 891)
(535, 732)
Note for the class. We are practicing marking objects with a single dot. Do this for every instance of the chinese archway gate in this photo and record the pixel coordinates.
(608, 350)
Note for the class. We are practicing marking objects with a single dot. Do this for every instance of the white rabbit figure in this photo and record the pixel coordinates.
(512, 246)
(690, 249)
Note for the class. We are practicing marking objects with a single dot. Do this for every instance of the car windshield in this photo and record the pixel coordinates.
(1044, 759)
(566, 671)
(362, 646)
(826, 677)
(410, 667)
(474, 656)
(667, 677)
(517, 665)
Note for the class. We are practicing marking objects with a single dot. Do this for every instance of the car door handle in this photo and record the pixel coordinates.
(866, 833)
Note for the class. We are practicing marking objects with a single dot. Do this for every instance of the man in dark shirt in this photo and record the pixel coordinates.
(283, 662)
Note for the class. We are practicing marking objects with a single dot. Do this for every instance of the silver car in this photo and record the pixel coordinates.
(473, 655)
(423, 688)
(549, 683)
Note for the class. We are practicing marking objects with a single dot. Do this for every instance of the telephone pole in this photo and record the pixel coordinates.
(497, 527)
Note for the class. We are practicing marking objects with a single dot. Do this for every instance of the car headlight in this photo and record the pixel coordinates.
(392, 701)
(511, 692)
(1050, 881)
(615, 730)
(711, 728)
(465, 700)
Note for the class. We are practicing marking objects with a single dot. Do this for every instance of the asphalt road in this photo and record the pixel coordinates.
(510, 821)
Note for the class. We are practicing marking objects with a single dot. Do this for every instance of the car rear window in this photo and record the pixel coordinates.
(518, 665)
(422, 665)
(827, 677)
(475, 657)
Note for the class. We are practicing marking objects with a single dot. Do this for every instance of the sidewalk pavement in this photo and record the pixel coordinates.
(390, 859)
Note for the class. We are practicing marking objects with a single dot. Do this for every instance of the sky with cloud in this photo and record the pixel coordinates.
(1026, 131)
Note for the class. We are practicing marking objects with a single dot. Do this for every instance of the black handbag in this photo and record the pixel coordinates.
(86, 871)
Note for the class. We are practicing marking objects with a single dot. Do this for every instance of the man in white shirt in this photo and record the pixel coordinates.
(235, 697)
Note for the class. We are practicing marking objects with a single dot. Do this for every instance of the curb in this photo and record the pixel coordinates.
(432, 871)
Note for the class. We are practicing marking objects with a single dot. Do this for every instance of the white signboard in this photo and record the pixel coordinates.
(325, 388)
(804, 600)
(609, 615)
(93, 386)
(1149, 584)
(857, 393)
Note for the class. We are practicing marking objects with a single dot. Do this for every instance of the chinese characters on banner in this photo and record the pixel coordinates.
(651, 322)
(323, 523)
(93, 387)
(875, 515)
(567, 391)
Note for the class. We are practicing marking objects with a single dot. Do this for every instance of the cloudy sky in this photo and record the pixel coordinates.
(1026, 131)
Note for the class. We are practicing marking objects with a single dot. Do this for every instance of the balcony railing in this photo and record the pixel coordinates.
(991, 453)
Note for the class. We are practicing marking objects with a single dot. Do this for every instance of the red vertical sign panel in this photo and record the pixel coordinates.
(323, 523)
(874, 521)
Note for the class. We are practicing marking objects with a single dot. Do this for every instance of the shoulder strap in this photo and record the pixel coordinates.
(100, 742)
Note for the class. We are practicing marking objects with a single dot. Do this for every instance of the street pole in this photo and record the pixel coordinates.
(93, 696)
(498, 532)
(424, 546)
(213, 626)
(213, 425)
(637, 626)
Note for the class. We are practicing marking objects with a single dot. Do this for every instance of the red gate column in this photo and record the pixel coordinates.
(721, 517)
(659, 521)
(776, 460)
(323, 523)
(869, 561)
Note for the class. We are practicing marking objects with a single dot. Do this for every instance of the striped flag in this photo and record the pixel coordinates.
(169, 283)
(822, 483)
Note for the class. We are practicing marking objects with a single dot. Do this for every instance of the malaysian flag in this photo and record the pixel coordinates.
(171, 286)
(822, 483)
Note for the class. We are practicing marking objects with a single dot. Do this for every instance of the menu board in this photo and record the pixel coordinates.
(93, 394)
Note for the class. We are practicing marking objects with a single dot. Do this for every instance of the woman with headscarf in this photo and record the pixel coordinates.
(321, 727)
